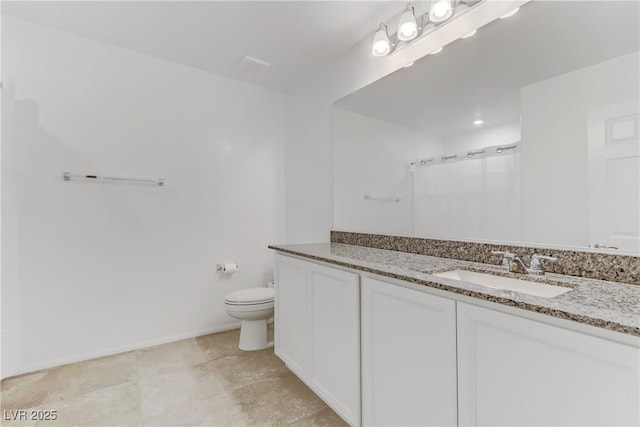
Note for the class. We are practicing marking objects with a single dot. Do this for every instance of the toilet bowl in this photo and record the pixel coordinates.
(254, 307)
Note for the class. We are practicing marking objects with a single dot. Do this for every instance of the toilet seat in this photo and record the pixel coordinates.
(251, 297)
(254, 307)
(246, 308)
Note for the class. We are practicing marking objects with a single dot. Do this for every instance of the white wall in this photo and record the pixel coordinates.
(372, 156)
(95, 268)
(502, 134)
(555, 152)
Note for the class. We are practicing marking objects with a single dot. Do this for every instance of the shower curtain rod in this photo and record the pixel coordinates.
(495, 150)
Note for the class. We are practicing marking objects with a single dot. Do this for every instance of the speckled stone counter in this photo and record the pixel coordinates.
(609, 305)
(593, 265)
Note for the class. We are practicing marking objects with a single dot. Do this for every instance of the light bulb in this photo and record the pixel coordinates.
(381, 48)
(478, 122)
(381, 42)
(510, 14)
(407, 26)
(440, 10)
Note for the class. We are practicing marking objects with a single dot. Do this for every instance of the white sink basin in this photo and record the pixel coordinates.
(507, 283)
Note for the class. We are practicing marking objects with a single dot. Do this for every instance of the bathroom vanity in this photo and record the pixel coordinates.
(385, 339)
(522, 140)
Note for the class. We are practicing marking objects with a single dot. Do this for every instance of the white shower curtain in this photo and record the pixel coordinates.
(469, 199)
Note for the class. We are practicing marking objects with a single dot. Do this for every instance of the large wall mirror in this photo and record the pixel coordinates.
(526, 132)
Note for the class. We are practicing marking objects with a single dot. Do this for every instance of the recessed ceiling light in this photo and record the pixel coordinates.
(438, 50)
(471, 34)
(478, 122)
(510, 14)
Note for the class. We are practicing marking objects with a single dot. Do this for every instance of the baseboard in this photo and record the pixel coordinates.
(122, 349)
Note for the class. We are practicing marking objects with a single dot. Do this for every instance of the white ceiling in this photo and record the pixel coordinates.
(295, 37)
(482, 76)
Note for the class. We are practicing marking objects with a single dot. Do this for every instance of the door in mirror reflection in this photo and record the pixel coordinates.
(614, 162)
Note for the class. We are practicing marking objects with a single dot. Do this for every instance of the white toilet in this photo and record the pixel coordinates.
(254, 306)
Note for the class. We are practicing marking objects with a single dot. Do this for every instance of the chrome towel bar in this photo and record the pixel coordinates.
(68, 176)
(381, 198)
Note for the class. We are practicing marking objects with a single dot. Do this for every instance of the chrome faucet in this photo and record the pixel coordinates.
(506, 258)
(536, 266)
(514, 263)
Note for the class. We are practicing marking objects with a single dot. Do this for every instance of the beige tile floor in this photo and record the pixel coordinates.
(204, 381)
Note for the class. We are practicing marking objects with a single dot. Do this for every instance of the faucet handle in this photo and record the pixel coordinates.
(536, 263)
(548, 258)
(506, 258)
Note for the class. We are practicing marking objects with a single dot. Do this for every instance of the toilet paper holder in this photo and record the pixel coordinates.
(223, 267)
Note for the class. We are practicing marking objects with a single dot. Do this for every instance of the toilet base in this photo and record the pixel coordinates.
(253, 335)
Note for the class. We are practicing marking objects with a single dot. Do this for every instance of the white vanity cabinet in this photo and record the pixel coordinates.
(408, 357)
(317, 330)
(514, 371)
(428, 357)
(291, 322)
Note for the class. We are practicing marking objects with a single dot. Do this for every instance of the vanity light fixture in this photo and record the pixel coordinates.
(440, 10)
(461, 6)
(428, 28)
(407, 26)
(471, 34)
(510, 14)
(478, 122)
(381, 42)
(446, 158)
(410, 28)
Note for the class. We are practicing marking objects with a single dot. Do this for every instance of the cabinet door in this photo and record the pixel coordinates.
(335, 334)
(291, 314)
(515, 371)
(408, 357)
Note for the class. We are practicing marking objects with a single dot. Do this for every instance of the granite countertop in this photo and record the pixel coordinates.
(609, 305)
